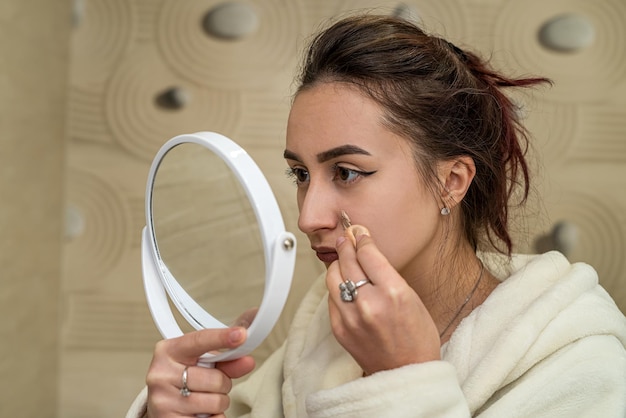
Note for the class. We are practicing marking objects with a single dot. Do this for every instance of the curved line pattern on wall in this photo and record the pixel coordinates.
(603, 134)
(106, 237)
(554, 127)
(264, 120)
(103, 322)
(86, 116)
(125, 53)
(141, 126)
(586, 75)
(444, 17)
(600, 232)
(256, 61)
(101, 38)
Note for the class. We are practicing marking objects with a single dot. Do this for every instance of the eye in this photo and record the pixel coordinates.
(347, 175)
(298, 175)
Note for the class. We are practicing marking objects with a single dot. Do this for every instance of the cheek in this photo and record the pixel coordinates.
(405, 227)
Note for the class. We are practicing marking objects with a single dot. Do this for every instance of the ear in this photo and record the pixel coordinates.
(455, 176)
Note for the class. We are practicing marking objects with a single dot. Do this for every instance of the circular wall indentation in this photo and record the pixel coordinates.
(587, 75)
(141, 125)
(74, 222)
(567, 33)
(103, 35)
(173, 98)
(104, 219)
(447, 18)
(600, 233)
(251, 62)
(231, 20)
(554, 129)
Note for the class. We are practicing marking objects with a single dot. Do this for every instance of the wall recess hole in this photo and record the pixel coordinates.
(406, 12)
(74, 222)
(231, 21)
(173, 98)
(567, 33)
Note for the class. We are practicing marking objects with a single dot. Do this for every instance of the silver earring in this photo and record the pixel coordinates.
(445, 210)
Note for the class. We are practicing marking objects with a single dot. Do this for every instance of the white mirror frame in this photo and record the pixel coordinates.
(279, 247)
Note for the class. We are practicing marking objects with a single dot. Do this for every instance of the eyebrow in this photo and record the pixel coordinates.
(330, 154)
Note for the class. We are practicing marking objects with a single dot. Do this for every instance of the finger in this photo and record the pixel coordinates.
(348, 261)
(345, 316)
(202, 403)
(202, 379)
(374, 264)
(341, 271)
(333, 279)
(167, 400)
(237, 368)
(187, 348)
(347, 270)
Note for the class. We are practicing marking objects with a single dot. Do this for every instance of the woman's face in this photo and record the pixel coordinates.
(343, 158)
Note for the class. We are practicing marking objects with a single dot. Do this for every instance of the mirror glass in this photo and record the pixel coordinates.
(207, 235)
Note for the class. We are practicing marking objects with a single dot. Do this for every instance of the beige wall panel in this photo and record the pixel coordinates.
(250, 63)
(586, 75)
(140, 125)
(34, 59)
(447, 18)
(125, 54)
(101, 37)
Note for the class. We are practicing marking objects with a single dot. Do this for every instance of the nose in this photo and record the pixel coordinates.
(318, 209)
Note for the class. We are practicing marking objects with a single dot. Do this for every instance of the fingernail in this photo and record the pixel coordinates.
(340, 240)
(236, 335)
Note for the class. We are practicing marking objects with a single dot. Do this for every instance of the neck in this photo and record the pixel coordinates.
(450, 285)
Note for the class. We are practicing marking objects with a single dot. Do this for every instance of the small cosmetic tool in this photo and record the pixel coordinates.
(345, 220)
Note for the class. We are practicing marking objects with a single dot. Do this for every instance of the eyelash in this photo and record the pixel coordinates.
(293, 173)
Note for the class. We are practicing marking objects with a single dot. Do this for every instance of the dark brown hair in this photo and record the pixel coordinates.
(445, 100)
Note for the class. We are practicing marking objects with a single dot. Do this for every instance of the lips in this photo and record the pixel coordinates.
(326, 254)
(327, 257)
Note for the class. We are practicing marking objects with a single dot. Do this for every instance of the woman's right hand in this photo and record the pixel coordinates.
(209, 387)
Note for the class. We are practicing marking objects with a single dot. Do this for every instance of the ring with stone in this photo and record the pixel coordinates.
(185, 390)
(348, 289)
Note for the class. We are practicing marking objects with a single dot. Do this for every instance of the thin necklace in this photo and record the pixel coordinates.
(467, 299)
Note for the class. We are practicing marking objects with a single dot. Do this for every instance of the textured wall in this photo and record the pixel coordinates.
(34, 57)
(127, 52)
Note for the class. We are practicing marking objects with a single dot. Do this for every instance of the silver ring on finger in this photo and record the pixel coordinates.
(185, 390)
(348, 289)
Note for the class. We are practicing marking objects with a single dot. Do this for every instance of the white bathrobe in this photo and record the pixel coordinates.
(548, 342)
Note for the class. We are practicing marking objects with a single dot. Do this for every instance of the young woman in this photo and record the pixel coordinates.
(423, 311)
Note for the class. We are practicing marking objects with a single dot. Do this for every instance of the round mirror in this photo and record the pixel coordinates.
(214, 246)
(207, 235)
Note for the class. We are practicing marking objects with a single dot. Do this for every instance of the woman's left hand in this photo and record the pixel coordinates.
(387, 326)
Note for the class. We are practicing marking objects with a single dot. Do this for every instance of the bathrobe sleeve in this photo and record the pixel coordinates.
(420, 390)
(585, 379)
